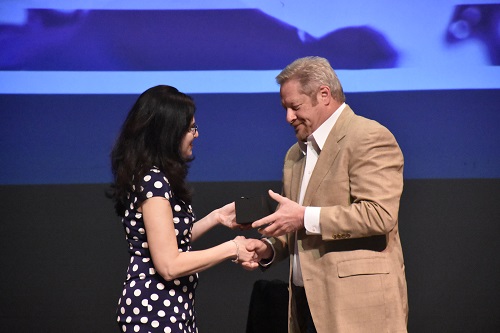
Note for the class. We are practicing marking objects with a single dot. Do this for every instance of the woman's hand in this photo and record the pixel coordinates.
(226, 216)
(243, 254)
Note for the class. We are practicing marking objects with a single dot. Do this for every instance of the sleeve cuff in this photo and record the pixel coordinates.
(311, 220)
(267, 262)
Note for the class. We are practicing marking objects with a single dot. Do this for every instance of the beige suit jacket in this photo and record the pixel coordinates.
(354, 273)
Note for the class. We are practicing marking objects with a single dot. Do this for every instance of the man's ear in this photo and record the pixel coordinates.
(324, 95)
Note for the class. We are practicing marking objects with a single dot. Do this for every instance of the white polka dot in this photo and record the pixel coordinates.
(128, 320)
(148, 283)
(177, 282)
(179, 299)
(137, 292)
(149, 195)
(152, 271)
(126, 213)
(147, 178)
(145, 245)
(142, 231)
(145, 302)
(158, 184)
(135, 267)
(136, 328)
(138, 215)
(176, 309)
(133, 223)
(128, 301)
(166, 303)
(136, 311)
(154, 297)
(171, 292)
(160, 286)
(167, 330)
(176, 220)
(161, 313)
(177, 208)
(144, 320)
(150, 308)
(186, 220)
(142, 276)
(167, 196)
(173, 320)
(124, 328)
(191, 278)
(122, 310)
(155, 323)
(185, 289)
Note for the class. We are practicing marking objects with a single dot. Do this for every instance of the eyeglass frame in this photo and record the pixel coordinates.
(193, 129)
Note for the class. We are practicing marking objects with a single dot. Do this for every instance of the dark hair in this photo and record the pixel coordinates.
(151, 136)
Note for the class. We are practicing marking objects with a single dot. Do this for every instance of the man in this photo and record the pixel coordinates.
(338, 217)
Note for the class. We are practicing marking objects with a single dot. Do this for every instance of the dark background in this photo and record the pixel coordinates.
(64, 256)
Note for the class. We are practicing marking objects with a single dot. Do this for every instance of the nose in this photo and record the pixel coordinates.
(290, 116)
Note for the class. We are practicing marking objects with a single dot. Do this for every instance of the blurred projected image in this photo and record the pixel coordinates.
(480, 23)
(125, 40)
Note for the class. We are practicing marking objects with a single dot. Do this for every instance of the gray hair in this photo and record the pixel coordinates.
(313, 72)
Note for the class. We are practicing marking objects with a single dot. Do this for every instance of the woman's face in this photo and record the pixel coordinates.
(187, 141)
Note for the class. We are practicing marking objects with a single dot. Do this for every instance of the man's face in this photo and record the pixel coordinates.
(301, 111)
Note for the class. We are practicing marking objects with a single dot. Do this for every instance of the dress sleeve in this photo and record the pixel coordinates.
(154, 184)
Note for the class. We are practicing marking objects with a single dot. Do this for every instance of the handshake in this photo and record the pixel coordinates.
(250, 251)
(288, 217)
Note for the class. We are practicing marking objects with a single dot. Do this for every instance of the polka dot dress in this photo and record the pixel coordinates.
(148, 302)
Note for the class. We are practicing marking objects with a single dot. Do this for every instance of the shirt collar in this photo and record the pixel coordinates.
(319, 136)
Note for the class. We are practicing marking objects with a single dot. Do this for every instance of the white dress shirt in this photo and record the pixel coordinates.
(311, 149)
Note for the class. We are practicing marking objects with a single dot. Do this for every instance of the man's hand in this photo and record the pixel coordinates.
(289, 217)
(262, 250)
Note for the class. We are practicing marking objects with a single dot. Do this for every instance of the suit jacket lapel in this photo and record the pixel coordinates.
(297, 174)
(328, 154)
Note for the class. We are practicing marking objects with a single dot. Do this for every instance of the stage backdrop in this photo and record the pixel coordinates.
(69, 74)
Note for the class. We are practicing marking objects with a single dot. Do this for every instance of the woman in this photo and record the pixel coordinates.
(150, 162)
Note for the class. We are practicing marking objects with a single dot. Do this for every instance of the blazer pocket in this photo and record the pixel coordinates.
(363, 267)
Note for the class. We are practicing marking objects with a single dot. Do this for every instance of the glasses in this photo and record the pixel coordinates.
(193, 129)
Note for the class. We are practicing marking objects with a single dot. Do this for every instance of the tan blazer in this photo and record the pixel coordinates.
(354, 273)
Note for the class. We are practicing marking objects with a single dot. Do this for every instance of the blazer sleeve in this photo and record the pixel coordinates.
(368, 179)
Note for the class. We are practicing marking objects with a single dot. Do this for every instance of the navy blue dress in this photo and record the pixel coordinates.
(149, 303)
